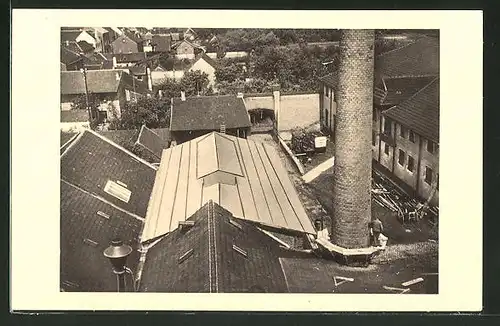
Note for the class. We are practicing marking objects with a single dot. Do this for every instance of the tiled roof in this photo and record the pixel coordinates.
(151, 141)
(137, 70)
(99, 60)
(245, 177)
(88, 224)
(74, 116)
(68, 56)
(420, 112)
(127, 57)
(330, 79)
(420, 58)
(215, 110)
(132, 36)
(69, 35)
(98, 81)
(210, 262)
(123, 138)
(162, 42)
(66, 137)
(92, 160)
(85, 46)
(399, 89)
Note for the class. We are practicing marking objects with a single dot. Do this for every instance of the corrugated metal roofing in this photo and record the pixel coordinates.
(420, 112)
(263, 193)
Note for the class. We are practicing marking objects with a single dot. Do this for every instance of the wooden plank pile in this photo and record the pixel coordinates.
(387, 195)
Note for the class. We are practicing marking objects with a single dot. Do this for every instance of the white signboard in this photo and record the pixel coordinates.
(320, 142)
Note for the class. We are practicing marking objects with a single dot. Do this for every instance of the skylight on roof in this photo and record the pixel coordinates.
(185, 256)
(102, 214)
(115, 190)
(240, 251)
(235, 224)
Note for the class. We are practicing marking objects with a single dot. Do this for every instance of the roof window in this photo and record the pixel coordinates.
(235, 224)
(118, 191)
(102, 214)
(185, 256)
(240, 251)
(90, 242)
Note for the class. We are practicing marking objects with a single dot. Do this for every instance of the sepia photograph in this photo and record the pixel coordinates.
(249, 160)
(243, 160)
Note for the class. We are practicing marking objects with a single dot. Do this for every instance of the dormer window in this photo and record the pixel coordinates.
(117, 191)
(240, 251)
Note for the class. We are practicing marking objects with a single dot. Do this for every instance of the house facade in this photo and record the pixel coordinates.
(400, 74)
(112, 88)
(125, 44)
(206, 65)
(186, 50)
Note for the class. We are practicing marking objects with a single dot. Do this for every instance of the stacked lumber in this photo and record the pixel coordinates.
(387, 195)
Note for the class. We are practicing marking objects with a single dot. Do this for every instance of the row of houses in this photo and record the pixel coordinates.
(405, 137)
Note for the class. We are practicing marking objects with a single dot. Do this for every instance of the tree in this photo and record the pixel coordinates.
(228, 71)
(152, 112)
(195, 83)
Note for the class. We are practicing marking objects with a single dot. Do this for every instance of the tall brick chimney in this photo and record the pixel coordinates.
(353, 132)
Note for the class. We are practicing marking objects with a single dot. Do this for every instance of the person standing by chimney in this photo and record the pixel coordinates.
(376, 228)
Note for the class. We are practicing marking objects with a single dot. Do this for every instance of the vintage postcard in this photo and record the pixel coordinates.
(206, 160)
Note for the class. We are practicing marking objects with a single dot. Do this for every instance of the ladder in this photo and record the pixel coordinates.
(222, 128)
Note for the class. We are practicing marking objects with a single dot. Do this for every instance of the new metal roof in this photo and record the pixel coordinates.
(263, 193)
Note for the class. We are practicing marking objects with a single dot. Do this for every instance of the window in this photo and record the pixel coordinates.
(411, 164)
(401, 158)
(326, 117)
(326, 91)
(102, 214)
(90, 242)
(431, 147)
(373, 137)
(117, 191)
(386, 149)
(374, 116)
(185, 256)
(403, 131)
(387, 126)
(235, 224)
(240, 251)
(428, 175)
(412, 136)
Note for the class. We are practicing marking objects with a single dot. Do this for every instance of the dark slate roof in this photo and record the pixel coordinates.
(73, 46)
(85, 46)
(151, 141)
(123, 138)
(92, 160)
(127, 57)
(85, 235)
(68, 56)
(69, 35)
(399, 89)
(214, 266)
(99, 60)
(162, 43)
(98, 81)
(420, 112)
(74, 116)
(209, 113)
(138, 70)
(134, 37)
(420, 58)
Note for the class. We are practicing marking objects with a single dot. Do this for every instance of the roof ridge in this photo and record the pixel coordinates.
(414, 95)
(121, 148)
(397, 49)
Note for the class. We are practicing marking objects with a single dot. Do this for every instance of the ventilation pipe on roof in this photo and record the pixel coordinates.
(183, 96)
